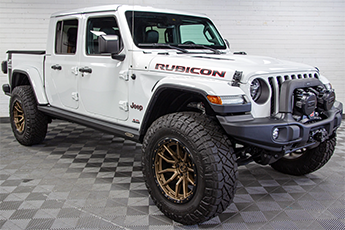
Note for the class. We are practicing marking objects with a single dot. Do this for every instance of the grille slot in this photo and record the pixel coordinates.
(276, 83)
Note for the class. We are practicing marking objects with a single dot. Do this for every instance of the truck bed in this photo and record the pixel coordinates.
(23, 59)
(38, 52)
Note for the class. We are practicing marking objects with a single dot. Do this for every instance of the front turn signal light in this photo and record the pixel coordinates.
(227, 100)
(215, 99)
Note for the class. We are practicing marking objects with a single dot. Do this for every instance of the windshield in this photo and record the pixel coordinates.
(168, 30)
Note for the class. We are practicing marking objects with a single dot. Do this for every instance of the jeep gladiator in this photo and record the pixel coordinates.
(167, 79)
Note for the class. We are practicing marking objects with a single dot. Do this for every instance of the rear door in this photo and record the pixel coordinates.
(62, 64)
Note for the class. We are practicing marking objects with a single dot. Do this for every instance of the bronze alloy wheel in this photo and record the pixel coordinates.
(174, 170)
(18, 116)
(189, 167)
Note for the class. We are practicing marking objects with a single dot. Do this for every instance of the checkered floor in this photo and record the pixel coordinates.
(80, 178)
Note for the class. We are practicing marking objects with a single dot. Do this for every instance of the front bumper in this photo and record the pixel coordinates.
(292, 134)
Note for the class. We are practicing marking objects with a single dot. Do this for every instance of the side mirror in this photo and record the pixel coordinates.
(119, 57)
(110, 44)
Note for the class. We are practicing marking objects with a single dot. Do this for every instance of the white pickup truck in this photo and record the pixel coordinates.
(168, 80)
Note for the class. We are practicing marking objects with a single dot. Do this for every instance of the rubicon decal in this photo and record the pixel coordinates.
(192, 70)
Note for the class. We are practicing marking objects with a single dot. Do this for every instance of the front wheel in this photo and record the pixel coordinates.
(306, 161)
(189, 167)
(29, 125)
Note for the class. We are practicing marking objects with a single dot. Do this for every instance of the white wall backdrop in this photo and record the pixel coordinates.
(309, 31)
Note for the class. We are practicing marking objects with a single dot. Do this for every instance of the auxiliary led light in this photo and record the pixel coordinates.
(275, 133)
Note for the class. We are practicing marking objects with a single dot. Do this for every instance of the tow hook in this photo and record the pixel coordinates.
(319, 135)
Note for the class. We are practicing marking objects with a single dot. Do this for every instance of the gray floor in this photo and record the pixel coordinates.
(80, 178)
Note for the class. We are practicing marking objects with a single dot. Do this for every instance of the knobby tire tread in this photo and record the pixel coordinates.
(310, 161)
(36, 123)
(220, 170)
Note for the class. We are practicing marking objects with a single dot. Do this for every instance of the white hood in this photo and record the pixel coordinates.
(223, 66)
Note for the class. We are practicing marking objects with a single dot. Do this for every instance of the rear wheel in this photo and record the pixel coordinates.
(28, 124)
(306, 161)
(189, 167)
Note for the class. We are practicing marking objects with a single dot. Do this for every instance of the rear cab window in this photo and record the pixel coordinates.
(66, 36)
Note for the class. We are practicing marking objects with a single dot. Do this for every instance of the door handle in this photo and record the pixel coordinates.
(56, 67)
(85, 70)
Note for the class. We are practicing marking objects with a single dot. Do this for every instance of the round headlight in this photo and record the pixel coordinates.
(259, 91)
(255, 89)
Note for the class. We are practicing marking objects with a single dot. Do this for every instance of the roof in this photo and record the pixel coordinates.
(109, 8)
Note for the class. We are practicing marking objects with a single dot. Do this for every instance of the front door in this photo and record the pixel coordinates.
(61, 65)
(103, 84)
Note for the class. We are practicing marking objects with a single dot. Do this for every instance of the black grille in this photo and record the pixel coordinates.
(276, 83)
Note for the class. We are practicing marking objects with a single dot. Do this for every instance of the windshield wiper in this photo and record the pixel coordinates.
(160, 45)
(200, 46)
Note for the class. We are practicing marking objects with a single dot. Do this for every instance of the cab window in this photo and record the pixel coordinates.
(97, 27)
(66, 36)
(151, 29)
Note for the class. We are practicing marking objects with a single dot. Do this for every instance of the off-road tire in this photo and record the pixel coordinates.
(211, 161)
(307, 161)
(29, 125)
